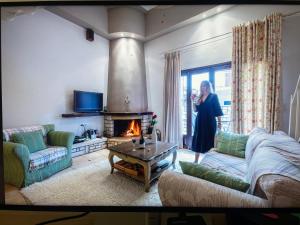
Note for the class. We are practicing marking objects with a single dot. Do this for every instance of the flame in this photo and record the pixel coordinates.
(133, 129)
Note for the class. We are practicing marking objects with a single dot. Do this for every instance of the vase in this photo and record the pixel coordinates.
(149, 130)
(154, 135)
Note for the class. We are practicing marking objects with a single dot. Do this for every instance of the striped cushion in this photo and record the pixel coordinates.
(7, 133)
(232, 144)
(45, 157)
(226, 163)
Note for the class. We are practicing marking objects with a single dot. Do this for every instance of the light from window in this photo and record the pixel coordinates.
(223, 89)
(184, 104)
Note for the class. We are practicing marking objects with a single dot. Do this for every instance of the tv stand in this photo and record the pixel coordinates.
(75, 114)
(89, 146)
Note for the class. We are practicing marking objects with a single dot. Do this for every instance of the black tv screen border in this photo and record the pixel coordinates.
(76, 105)
(68, 208)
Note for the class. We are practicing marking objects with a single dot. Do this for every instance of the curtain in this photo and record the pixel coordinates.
(256, 74)
(172, 109)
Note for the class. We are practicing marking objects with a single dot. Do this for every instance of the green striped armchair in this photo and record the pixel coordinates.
(22, 166)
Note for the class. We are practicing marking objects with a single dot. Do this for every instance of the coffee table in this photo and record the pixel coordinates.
(151, 154)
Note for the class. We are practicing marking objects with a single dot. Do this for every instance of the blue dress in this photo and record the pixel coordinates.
(205, 124)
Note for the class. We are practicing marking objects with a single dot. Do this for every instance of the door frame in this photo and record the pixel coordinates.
(211, 69)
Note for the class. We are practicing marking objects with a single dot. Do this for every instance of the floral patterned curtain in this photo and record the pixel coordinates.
(256, 74)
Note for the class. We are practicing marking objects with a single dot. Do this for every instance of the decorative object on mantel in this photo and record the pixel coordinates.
(127, 102)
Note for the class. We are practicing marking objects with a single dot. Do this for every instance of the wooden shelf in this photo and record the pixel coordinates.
(69, 115)
(74, 114)
(127, 113)
(154, 175)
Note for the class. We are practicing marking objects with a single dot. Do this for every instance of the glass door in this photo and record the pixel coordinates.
(223, 90)
(196, 82)
(220, 78)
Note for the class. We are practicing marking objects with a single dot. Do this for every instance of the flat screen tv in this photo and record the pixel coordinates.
(87, 102)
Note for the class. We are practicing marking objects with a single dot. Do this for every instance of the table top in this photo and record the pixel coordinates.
(146, 154)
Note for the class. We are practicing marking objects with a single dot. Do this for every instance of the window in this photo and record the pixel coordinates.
(220, 77)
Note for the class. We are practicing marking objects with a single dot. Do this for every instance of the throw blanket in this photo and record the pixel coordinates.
(274, 154)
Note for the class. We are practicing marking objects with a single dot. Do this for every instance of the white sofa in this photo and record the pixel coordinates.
(270, 188)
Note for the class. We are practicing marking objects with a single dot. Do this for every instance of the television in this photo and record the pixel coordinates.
(87, 102)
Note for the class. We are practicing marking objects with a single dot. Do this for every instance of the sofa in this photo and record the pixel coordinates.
(23, 167)
(271, 166)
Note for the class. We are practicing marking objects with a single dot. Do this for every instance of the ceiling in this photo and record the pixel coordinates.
(159, 19)
(148, 7)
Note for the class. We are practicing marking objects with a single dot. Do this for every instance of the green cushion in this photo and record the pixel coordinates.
(33, 140)
(213, 175)
(49, 127)
(232, 144)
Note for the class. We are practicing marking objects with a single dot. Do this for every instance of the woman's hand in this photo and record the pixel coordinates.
(193, 96)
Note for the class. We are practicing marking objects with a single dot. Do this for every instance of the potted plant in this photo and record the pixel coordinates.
(152, 123)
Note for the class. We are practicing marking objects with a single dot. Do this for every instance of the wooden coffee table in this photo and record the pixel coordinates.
(151, 154)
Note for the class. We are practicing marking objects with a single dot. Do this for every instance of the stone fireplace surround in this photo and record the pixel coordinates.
(109, 118)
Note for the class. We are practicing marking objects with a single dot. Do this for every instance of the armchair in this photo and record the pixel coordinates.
(22, 168)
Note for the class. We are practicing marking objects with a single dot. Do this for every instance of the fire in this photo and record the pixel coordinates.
(133, 129)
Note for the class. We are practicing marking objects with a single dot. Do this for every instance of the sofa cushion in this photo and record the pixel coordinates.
(33, 140)
(7, 133)
(213, 175)
(47, 156)
(279, 155)
(232, 144)
(229, 164)
(256, 137)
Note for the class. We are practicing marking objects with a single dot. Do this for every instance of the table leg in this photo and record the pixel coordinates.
(147, 174)
(174, 158)
(111, 161)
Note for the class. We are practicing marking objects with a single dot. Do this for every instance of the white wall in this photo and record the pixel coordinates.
(164, 17)
(44, 58)
(290, 64)
(213, 52)
(95, 16)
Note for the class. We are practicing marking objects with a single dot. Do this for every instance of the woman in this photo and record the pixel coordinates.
(208, 108)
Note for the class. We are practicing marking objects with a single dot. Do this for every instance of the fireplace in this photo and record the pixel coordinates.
(127, 128)
(126, 124)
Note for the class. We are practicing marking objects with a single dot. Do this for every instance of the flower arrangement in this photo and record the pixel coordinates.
(152, 123)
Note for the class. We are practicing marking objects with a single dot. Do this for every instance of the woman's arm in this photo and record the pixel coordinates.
(217, 111)
(219, 122)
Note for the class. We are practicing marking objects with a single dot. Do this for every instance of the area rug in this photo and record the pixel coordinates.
(89, 182)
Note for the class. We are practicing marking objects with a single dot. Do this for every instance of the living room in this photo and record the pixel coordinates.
(122, 52)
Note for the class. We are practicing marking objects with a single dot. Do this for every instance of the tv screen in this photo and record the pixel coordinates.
(87, 101)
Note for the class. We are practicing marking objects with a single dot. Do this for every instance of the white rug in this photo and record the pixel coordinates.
(89, 182)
